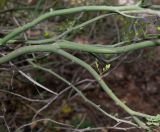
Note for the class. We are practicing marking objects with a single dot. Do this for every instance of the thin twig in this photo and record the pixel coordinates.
(36, 83)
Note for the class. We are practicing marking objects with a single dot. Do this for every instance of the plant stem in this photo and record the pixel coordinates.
(101, 83)
(55, 49)
(78, 27)
(80, 93)
(77, 47)
(25, 27)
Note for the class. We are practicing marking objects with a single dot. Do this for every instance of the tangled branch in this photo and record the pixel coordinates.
(60, 46)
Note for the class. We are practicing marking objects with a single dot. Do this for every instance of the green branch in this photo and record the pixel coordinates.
(78, 47)
(79, 93)
(71, 29)
(56, 49)
(122, 10)
(116, 9)
(53, 39)
(101, 82)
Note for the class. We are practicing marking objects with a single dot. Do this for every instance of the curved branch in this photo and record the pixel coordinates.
(71, 29)
(25, 27)
(78, 47)
(80, 93)
(101, 83)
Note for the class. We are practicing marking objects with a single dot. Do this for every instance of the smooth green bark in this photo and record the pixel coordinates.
(45, 16)
(78, 47)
